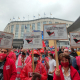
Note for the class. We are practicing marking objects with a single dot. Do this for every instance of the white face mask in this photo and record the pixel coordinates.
(35, 59)
(74, 49)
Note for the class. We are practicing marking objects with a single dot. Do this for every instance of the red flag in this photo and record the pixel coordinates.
(43, 44)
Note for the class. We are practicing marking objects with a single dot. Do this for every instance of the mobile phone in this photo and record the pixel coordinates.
(43, 56)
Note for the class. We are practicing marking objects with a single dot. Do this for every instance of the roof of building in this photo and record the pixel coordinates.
(74, 26)
(40, 19)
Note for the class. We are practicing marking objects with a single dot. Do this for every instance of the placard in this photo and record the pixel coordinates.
(55, 32)
(75, 39)
(6, 40)
(32, 40)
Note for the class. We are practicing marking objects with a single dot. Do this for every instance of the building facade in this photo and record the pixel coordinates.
(18, 28)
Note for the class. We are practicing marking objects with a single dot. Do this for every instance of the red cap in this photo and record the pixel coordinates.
(41, 51)
(49, 51)
(35, 52)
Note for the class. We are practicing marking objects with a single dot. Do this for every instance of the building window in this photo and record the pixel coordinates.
(44, 22)
(33, 26)
(66, 24)
(56, 22)
(16, 31)
(22, 30)
(50, 22)
(12, 27)
(38, 26)
(28, 27)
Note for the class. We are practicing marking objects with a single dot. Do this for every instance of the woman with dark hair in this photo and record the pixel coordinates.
(66, 71)
(73, 53)
(52, 66)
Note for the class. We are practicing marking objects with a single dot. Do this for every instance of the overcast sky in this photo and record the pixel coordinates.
(63, 9)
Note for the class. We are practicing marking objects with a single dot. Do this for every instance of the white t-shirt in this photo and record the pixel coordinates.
(52, 65)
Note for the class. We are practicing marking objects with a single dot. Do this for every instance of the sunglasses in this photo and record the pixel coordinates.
(3, 52)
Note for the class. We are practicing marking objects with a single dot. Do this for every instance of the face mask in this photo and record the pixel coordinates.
(69, 50)
(23, 54)
(49, 58)
(43, 56)
(35, 59)
(3, 56)
(66, 64)
(74, 49)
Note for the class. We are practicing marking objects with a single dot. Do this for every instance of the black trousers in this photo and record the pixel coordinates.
(50, 77)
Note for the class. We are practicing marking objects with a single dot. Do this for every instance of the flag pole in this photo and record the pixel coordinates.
(32, 59)
(56, 55)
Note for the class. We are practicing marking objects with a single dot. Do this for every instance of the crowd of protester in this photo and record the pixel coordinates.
(16, 64)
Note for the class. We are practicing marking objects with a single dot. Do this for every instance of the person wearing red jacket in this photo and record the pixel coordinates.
(76, 63)
(21, 62)
(39, 70)
(7, 66)
(66, 71)
(12, 55)
(44, 60)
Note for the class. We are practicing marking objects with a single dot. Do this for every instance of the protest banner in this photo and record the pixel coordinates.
(6, 40)
(32, 40)
(75, 39)
(55, 32)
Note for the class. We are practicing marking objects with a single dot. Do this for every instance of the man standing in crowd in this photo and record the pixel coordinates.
(76, 64)
(69, 50)
(61, 50)
(39, 70)
(71, 57)
(44, 60)
(73, 53)
(21, 62)
(7, 66)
